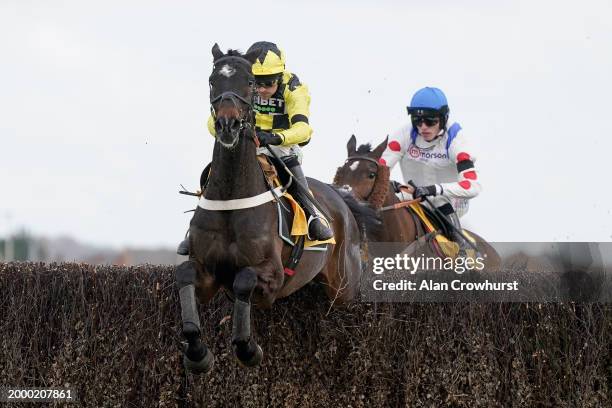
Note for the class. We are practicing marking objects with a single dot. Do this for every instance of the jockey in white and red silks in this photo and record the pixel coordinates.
(435, 155)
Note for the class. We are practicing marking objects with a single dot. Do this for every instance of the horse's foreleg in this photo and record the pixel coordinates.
(198, 357)
(247, 350)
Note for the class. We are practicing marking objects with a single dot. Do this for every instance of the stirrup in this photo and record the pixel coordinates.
(465, 249)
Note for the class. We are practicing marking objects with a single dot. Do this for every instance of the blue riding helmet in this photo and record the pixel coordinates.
(429, 101)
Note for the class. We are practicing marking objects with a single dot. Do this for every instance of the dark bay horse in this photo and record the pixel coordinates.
(234, 241)
(369, 181)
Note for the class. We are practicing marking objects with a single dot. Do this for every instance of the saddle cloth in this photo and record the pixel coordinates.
(440, 232)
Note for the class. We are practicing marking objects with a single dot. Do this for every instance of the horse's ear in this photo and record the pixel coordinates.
(376, 153)
(216, 52)
(252, 55)
(351, 146)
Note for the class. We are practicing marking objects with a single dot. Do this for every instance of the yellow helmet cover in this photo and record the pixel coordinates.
(271, 59)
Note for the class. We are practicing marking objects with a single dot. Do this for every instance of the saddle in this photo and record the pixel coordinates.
(292, 222)
(435, 229)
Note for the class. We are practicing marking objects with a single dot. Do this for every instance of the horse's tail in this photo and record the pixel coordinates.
(367, 217)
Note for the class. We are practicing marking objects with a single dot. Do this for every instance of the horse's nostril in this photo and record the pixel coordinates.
(226, 124)
(218, 125)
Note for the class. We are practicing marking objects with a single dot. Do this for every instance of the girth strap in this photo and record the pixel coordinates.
(241, 203)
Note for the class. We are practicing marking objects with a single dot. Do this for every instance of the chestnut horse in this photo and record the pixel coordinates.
(234, 240)
(369, 181)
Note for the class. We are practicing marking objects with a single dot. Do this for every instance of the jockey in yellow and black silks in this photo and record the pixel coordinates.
(281, 104)
(282, 108)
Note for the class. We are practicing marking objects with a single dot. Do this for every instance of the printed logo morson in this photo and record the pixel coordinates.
(416, 152)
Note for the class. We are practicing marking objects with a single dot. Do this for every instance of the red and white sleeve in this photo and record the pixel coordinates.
(468, 184)
(396, 147)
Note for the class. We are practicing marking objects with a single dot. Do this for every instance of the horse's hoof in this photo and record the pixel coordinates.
(255, 359)
(200, 367)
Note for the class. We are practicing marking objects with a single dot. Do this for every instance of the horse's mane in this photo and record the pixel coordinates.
(234, 53)
(364, 148)
(367, 218)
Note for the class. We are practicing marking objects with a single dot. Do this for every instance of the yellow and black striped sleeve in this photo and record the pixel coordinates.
(211, 125)
(297, 100)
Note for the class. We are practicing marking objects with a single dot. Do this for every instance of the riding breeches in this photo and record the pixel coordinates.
(460, 205)
(283, 151)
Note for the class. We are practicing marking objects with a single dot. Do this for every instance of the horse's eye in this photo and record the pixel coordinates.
(372, 175)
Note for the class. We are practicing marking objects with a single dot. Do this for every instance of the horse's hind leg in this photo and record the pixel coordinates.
(197, 357)
(247, 350)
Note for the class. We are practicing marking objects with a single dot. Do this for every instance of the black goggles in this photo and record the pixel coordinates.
(267, 83)
(429, 121)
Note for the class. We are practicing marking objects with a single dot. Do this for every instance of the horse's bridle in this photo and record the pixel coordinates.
(389, 207)
(246, 117)
(351, 158)
(366, 158)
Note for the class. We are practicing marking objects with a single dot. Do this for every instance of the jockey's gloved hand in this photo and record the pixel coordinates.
(267, 138)
(427, 191)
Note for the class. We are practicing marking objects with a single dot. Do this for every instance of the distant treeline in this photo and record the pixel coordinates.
(23, 246)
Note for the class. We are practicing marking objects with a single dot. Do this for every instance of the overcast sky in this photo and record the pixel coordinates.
(103, 105)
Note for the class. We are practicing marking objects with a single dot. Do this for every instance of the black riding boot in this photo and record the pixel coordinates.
(457, 237)
(448, 210)
(183, 248)
(317, 229)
